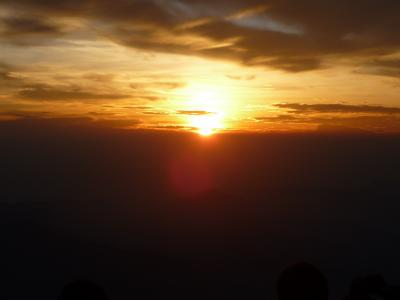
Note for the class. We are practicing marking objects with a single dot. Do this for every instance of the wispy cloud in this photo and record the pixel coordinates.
(382, 67)
(238, 77)
(194, 112)
(337, 117)
(67, 94)
(300, 108)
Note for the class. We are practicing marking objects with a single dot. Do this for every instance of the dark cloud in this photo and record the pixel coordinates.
(235, 77)
(299, 108)
(51, 121)
(377, 123)
(156, 113)
(141, 107)
(337, 129)
(289, 35)
(98, 77)
(173, 127)
(347, 118)
(383, 67)
(28, 31)
(17, 84)
(279, 118)
(194, 112)
(25, 26)
(295, 64)
(50, 93)
(150, 98)
(8, 78)
(367, 123)
(5, 74)
(172, 85)
(283, 87)
(122, 123)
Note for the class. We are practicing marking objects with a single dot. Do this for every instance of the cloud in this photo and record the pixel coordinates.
(368, 123)
(338, 117)
(236, 77)
(337, 129)
(9, 80)
(170, 85)
(98, 77)
(351, 124)
(5, 74)
(249, 12)
(194, 112)
(67, 94)
(299, 108)
(63, 121)
(140, 107)
(172, 127)
(150, 98)
(163, 85)
(366, 29)
(278, 118)
(27, 30)
(382, 67)
(156, 113)
(117, 123)
(18, 83)
(14, 26)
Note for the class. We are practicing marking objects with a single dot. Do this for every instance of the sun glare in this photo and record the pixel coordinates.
(207, 125)
(205, 131)
(208, 107)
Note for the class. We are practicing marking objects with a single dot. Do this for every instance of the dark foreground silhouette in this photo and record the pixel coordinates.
(83, 290)
(114, 207)
(302, 281)
(372, 287)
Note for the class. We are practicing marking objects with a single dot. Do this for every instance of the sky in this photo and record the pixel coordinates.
(203, 66)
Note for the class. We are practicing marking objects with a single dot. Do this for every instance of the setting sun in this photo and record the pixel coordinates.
(206, 108)
(205, 131)
(208, 124)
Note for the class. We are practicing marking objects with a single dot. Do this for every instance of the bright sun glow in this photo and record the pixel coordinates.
(208, 105)
(208, 124)
(205, 131)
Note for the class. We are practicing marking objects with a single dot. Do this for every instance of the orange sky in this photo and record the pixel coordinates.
(205, 66)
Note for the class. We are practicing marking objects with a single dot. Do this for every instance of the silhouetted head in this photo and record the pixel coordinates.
(83, 290)
(302, 281)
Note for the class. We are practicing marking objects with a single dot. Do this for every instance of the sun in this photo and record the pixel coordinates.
(207, 105)
(207, 125)
(205, 131)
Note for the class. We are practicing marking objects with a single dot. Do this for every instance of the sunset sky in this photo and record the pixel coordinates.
(204, 66)
(195, 149)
